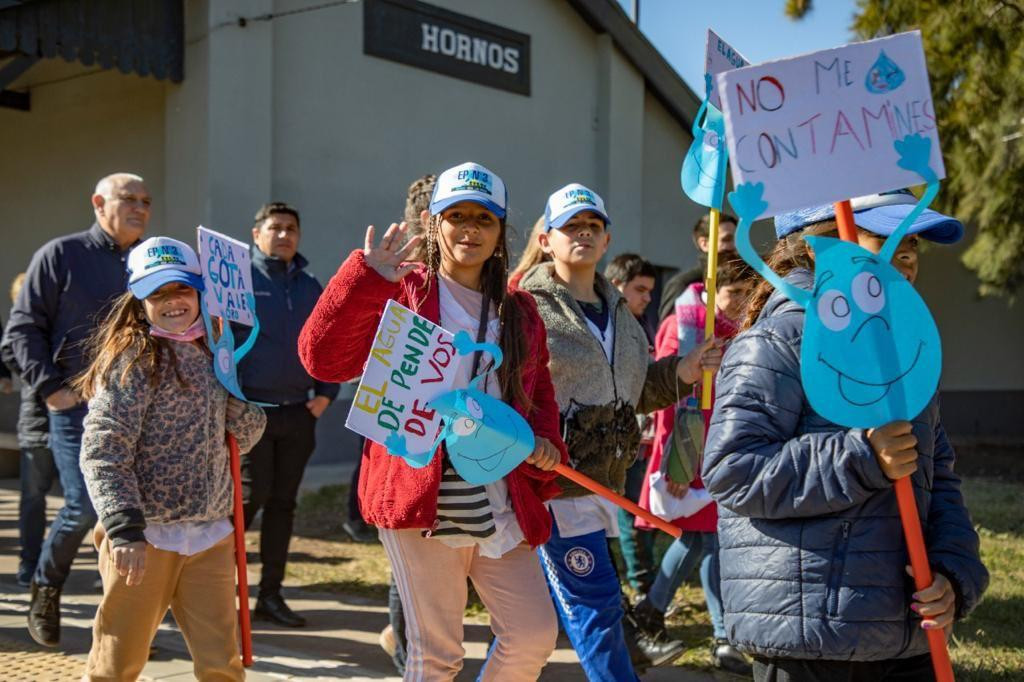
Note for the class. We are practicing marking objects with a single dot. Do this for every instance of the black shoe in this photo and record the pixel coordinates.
(649, 619)
(44, 615)
(729, 658)
(360, 531)
(25, 573)
(648, 650)
(272, 607)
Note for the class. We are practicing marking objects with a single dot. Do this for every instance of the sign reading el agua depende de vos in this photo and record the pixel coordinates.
(428, 37)
(820, 127)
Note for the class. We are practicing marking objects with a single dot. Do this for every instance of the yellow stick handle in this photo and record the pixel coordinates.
(710, 287)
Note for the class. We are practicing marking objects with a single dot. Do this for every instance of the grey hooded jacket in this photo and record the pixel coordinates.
(812, 549)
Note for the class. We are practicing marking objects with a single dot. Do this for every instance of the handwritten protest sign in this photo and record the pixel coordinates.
(718, 58)
(412, 361)
(228, 276)
(820, 128)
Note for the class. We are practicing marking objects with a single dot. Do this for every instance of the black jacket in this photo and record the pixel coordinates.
(68, 289)
(285, 296)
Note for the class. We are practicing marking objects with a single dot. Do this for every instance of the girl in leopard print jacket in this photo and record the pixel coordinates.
(156, 464)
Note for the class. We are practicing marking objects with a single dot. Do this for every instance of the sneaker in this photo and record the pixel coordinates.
(360, 531)
(727, 657)
(649, 649)
(44, 615)
(24, 575)
(649, 619)
(388, 642)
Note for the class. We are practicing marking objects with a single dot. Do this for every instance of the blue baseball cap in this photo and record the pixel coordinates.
(159, 261)
(880, 214)
(574, 198)
(469, 182)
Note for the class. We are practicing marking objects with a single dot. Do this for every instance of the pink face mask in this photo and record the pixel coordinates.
(197, 330)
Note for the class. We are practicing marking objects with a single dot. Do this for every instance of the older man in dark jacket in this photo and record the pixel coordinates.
(68, 288)
(271, 372)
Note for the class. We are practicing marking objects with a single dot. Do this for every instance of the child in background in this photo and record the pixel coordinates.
(156, 463)
(679, 334)
(437, 529)
(634, 277)
(815, 575)
(603, 376)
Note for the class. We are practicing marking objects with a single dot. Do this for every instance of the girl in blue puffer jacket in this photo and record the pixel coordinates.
(815, 577)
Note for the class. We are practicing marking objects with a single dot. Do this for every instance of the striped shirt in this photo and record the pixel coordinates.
(462, 508)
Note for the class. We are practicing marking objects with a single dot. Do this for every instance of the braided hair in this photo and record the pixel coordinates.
(494, 287)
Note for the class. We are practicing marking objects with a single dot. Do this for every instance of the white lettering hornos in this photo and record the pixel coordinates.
(466, 48)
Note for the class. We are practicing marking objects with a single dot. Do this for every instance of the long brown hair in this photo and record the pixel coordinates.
(494, 287)
(789, 253)
(124, 337)
(533, 254)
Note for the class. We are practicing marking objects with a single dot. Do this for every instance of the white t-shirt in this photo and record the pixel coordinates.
(455, 318)
(187, 537)
(577, 516)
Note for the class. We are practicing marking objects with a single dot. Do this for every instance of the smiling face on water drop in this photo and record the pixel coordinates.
(871, 352)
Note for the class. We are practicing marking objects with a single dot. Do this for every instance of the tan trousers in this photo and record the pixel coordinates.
(431, 580)
(200, 591)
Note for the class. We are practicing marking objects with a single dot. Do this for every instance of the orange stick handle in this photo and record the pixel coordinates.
(610, 495)
(243, 576)
(922, 573)
(907, 505)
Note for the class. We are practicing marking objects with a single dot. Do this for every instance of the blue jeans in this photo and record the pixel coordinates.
(76, 517)
(585, 588)
(637, 545)
(679, 561)
(37, 473)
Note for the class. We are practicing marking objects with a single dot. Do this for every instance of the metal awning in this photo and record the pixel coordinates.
(145, 37)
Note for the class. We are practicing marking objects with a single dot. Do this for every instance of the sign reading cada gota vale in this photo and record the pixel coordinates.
(820, 128)
(411, 362)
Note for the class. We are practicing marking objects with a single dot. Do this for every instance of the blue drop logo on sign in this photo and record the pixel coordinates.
(884, 76)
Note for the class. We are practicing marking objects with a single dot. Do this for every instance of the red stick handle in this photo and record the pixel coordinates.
(243, 577)
(922, 573)
(608, 494)
(907, 505)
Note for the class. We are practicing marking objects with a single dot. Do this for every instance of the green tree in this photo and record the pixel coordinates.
(975, 53)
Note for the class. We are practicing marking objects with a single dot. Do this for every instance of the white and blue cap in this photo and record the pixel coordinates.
(880, 214)
(469, 182)
(159, 261)
(572, 199)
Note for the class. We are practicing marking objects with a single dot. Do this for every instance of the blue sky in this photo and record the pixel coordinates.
(757, 29)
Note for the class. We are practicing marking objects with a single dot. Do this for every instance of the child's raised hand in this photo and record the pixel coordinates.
(545, 455)
(387, 257)
(895, 449)
(130, 560)
(707, 356)
(936, 604)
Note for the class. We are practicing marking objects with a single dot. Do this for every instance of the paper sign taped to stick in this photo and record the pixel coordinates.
(228, 276)
(720, 57)
(820, 128)
(412, 361)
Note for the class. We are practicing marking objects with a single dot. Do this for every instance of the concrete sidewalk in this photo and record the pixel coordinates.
(339, 643)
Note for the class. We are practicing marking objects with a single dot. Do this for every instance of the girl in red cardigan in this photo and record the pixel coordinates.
(437, 529)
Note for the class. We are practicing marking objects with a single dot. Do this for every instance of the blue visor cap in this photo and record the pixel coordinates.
(469, 182)
(572, 200)
(880, 214)
(144, 288)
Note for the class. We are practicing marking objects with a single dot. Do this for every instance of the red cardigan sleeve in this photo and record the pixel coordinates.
(544, 416)
(338, 334)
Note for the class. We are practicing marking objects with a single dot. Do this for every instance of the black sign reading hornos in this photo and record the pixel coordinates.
(432, 38)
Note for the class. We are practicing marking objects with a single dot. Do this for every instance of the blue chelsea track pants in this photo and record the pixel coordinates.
(585, 588)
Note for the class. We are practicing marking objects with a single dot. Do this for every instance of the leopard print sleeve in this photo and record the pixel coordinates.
(248, 428)
(113, 427)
